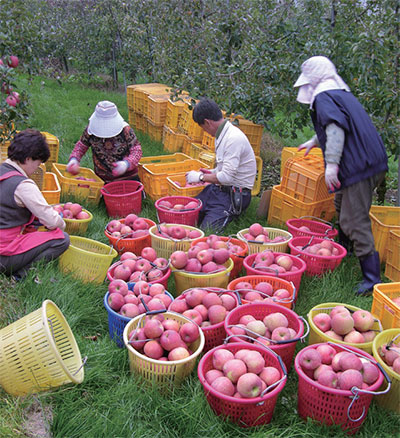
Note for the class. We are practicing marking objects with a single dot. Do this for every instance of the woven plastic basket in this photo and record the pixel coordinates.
(185, 216)
(87, 259)
(273, 246)
(39, 352)
(168, 373)
(122, 197)
(317, 227)
(316, 264)
(245, 412)
(285, 349)
(317, 335)
(335, 406)
(78, 226)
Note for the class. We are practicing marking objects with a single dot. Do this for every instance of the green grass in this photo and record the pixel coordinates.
(111, 402)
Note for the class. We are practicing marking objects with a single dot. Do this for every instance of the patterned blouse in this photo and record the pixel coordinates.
(106, 151)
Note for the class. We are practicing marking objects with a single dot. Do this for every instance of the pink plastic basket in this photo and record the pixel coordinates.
(318, 227)
(316, 264)
(285, 349)
(335, 406)
(294, 277)
(245, 412)
(172, 216)
(122, 197)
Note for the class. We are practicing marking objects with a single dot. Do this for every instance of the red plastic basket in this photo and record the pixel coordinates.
(334, 406)
(318, 227)
(134, 245)
(285, 349)
(245, 412)
(294, 277)
(214, 334)
(123, 197)
(316, 264)
(184, 216)
(237, 258)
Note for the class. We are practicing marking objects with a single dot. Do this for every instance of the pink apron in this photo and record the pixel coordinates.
(13, 241)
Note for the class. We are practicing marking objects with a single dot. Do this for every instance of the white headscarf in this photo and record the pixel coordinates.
(318, 74)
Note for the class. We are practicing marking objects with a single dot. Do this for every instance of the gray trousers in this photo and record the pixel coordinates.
(352, 206)
(20, 263)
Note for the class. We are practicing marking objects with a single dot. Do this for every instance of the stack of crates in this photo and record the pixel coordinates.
(174, 139)
(290, 152)
(302, 192)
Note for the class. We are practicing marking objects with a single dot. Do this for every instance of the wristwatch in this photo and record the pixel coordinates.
(201, 177)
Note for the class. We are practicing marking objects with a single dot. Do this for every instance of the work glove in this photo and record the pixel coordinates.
(331, 176)
(73, 166)
(308, 145)
(193, 177)
(120, 167)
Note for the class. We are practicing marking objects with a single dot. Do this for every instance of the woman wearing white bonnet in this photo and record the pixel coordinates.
(354, 154)
(115, 149)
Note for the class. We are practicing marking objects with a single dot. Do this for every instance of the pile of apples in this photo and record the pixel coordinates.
(261, 292)
(71, 210)
(273, 327)
(203, 307)
(191, 205)
(324, 249)
(396, 301)
(257, 233)
(340, 370)
(342, 325)
(146, 267)
(177, 232)
(197, 259)
(199, 184)
(390, 353)
(131, 303)
(240, 375)
(164, 339)
(280, 263)
(130, 227)
(214, 242)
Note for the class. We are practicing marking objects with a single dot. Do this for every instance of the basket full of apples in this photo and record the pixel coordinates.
(178, 210)
(242, 382)
(259, 238)
(306, 226)
(343, 324)
(337, 384)
(208, 308)
(76, 218)
(163, 347)
(320, 255)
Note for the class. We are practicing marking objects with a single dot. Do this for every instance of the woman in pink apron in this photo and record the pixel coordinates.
(20, 202)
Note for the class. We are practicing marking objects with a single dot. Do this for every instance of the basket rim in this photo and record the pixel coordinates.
(247, 261)
(340, 256)
(377, 342)
(259, 277)
(129, 239)
(181, 197)
(78, 221)
(236, 241)
(73, 238)
(58, 167)
(139, 189)
(152, 229)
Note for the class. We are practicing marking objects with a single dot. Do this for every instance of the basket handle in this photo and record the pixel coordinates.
(82, 365)
(318, 219)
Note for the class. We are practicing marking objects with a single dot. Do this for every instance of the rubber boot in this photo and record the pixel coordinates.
(371, 270)
(345, 241)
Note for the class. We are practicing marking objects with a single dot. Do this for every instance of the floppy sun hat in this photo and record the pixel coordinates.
(106, 121)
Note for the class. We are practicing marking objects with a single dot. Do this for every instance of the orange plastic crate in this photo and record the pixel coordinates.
(283, 207)
(304, 179)
(155, 132)
(172, 141)
(383, 307)
(392, 270)
(383, 220)
(253, 132)
(51, 188)
(176, 186)
(290, 152)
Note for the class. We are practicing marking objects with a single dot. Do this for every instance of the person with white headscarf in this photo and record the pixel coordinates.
(115, 149)
(354, 154)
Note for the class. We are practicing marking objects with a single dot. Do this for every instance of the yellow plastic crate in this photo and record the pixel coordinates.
(157, 108)
(155, 132)
(174, 113)
(188, 126)
(137, 121)
(383, 220)
(172, 141)
(3, 150)
(290, 152)
(160, 159)
(208, 142)
(177, 186)
(130, 91)
(38, 176)
(51, 188)
(383, 307)
(283, 207)
(155, 175)
(194, 150)
(88, 190)
(304, 179)
(392, 270)
(257, 183)
(141, 92)
(253, 132)
(208, 158)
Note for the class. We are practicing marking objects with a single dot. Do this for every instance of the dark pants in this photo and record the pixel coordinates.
(20, 263)
(216, 211)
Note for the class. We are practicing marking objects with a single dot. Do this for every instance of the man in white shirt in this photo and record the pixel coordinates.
(229, 193)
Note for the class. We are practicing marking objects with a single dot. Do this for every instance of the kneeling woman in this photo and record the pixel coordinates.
(20, 202)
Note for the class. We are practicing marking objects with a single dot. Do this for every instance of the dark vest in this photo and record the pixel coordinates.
(11, 215)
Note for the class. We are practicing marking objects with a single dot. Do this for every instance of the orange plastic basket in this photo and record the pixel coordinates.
(392, 270)
(383, 220)
(51, 188)
(383, 306)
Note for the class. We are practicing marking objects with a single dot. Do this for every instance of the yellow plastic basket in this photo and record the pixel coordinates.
(87, 259)
(316, 335)
(260, 247)
(164, 373)
(392, 270)
(390, 400)
(165, 246)
(383, 307)
(78, 226)
(383, 220)
(39, 352)
(51, 188)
